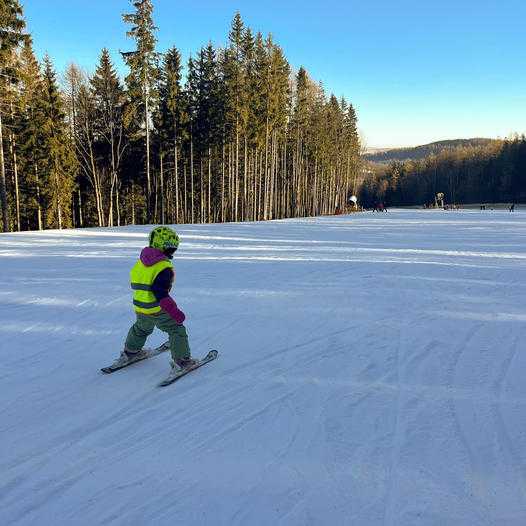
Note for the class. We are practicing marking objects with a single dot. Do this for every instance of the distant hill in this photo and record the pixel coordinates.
(420, 152)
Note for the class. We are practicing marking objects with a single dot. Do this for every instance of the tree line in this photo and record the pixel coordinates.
(415, 153)
(495, 172)
(234, 135)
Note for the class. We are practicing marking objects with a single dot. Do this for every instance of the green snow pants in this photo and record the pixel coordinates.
(145, 325)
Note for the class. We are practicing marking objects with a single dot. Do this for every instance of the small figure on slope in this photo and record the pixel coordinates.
(152, 278)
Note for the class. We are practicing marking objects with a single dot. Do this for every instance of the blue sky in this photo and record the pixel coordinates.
(416, 71)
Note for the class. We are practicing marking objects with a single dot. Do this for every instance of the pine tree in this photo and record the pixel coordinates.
(168, 122)
(352, 140)
(30, 136)
(235, 86)
(277, 100)
(208, 120)
(59, 161)
(11, 36)
(299, 131)
(142, 79)
(191, 97)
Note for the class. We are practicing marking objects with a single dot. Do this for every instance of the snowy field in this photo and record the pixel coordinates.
(372, 371)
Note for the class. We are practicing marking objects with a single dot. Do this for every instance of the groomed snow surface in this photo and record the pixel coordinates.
(372, 371)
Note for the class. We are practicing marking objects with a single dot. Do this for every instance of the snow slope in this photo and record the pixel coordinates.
(372, 371)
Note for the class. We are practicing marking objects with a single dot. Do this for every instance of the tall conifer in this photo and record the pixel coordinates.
(11, 35)
(169, 120)
(30, 136)
(59, 163)
(142, 78)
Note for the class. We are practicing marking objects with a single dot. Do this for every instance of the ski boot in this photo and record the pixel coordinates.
(129, 355)
(183, 363)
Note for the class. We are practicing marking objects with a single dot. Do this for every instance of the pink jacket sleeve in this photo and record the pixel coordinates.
(170, 307)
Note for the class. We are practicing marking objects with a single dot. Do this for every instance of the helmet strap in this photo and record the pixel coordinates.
(169, 252)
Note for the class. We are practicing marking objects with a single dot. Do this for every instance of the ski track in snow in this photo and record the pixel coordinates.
(370, 373)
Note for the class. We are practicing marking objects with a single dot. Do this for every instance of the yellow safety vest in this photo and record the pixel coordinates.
(142, 278)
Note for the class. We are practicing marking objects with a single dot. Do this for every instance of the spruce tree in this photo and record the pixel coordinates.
(191, 103)
(208, 120)
(30, 136)
(235, 86)
(352, 140)
(11, 35)
(169, 120)
(59, 162)
(142, 79)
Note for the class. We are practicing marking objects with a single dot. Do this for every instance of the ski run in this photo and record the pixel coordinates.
(371, 372)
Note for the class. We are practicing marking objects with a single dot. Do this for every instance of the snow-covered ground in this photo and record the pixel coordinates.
(371, 371)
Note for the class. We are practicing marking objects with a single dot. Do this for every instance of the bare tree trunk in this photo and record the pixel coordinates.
(236, 181)
(176, 176)
(192, 174)
(3, 189)
(114, 189)
(273, 175)
(209, 183)
(155, 198)
(245, 181)
(12, 147)
(223, 184)
(202, 196)
(270, 177)
(185, 218)
(230, 182)
(285, 180)
(39, 205)
(261, 171)
(317, 189)
(148, 183)
(170, 205)
(96, 186)
(265, 195)
(116, 166)
(80, 208)
(117, 203)
(110, 211)
(133, 203)
(162, 192)
(255, 190)
(59, 208)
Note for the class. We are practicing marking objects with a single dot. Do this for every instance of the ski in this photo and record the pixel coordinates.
(175, 375)
(122, 362)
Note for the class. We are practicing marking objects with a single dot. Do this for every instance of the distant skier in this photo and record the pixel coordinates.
(512, 207)
(152, 278)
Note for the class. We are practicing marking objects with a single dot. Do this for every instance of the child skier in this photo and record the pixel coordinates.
(152, 278)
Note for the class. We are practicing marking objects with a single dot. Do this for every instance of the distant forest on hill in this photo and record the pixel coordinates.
(236, 135)
(421, 152)
(490, 172)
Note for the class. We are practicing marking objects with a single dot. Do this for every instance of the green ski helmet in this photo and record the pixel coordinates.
(164, 238)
